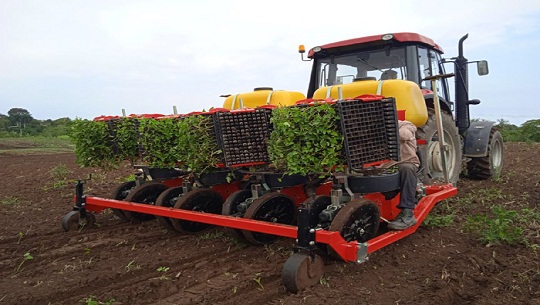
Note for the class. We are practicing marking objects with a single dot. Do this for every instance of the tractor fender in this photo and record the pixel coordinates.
(477, 139)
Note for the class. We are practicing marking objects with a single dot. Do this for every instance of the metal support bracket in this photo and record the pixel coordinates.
(362, 253)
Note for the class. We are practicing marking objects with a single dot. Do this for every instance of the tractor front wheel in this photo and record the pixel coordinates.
(490, 166)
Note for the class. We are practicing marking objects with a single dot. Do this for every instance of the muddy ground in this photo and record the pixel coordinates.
(145, 264)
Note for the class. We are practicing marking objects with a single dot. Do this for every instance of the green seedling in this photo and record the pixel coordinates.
(26, 257)
(132, 265)
(21, 235)
(92, 300)
(258, 279)
(87, 251)
(162, 269)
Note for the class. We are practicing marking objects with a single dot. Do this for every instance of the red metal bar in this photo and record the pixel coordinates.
(349, 251)
(437, 193)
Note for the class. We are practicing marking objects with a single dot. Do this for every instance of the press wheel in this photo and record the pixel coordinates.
(271, 207)
(120, 193)
(198, 200)
(145, 193)
(168, 199)
(301, 271)
(73, 220)
(358, 220)
(230, 208)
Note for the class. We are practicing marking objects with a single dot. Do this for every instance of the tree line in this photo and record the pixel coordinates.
(19, 122)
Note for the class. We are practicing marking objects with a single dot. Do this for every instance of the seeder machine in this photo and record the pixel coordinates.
(341, 211)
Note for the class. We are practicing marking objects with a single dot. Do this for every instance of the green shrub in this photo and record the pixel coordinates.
(93, 144)
(126, 138)
(159, 141)
(305, 140)
(197, 145)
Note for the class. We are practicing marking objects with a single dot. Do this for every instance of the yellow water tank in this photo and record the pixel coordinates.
(263, 96)
(407, 94)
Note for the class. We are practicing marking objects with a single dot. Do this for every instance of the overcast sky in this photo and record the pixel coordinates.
(88, 58)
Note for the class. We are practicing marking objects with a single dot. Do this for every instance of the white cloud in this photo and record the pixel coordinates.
(150, 55)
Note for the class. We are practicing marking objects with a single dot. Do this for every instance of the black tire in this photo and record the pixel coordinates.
(433, 168)
(490, 166)
(168, 199)
(200, 200)
(230, 208)
(120, 193)
(146, 193)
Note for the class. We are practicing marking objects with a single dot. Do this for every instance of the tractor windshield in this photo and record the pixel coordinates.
(402, 62)
(379, 64)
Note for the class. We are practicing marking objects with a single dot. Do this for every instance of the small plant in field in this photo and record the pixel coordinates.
(21, 235)
(325, 281)
(162, 269)
(10, 200)
(59, 175)
(87, 251)
(132, 265)
(26, 257)
(92, 300)
(499, 227)
(257, 279)
(438, 221)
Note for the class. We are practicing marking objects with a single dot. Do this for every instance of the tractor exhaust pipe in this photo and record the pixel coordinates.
(462, 89)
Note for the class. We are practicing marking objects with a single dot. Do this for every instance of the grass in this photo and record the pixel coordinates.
(10, 200)
(36, 144)
(502, 225)
(92, 300)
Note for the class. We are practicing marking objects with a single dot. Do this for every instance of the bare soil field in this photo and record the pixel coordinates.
(145, 264)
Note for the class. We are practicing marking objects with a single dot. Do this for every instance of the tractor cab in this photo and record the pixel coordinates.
(403, 56)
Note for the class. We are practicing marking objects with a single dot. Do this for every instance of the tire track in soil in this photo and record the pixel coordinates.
(121, 286)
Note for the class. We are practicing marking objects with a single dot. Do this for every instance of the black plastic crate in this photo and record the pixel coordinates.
(370, 131)
(243, 136)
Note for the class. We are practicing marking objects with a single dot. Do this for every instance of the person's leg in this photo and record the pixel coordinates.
(407, 202)
(408, 181)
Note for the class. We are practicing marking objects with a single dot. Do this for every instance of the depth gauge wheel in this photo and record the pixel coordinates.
(230, 208)
(199, 200)
(301, 271)
(73, 220)
(145, 193)
(358, 220)
(167, 199)
(272, 207)
(120, 193)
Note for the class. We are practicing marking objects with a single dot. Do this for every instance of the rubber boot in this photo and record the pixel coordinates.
(406, 220)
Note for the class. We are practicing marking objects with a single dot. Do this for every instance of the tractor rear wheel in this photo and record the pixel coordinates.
(490, 166)
(431, 153)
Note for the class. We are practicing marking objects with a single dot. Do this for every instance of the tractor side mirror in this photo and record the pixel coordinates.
(482, 67)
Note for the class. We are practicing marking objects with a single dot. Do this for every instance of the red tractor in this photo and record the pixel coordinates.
(371, 83)
(413, 57)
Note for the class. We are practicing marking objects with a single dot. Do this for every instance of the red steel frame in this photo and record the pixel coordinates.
(349, 251)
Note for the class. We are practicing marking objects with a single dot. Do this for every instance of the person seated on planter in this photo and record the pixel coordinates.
(408, 166)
